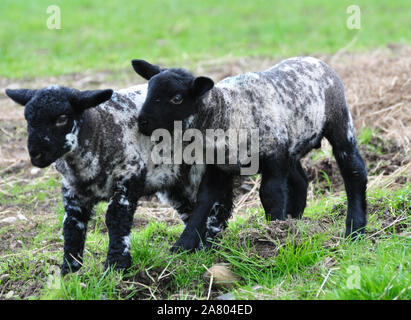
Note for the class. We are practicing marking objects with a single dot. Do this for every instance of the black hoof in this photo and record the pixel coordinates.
(122, 263)
(66, 268)
(188, 243)
(355, 235)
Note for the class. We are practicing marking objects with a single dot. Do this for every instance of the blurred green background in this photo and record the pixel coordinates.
(107, 34)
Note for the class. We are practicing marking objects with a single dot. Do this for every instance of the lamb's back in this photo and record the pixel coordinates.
(287, 102)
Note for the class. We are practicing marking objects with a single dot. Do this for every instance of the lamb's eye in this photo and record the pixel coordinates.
(61, 120)
(177, 99)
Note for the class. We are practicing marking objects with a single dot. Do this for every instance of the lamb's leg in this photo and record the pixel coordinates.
(119, 220)
(297, 191)
(354, 173)
(213, 185)
(273, 189)
(77, 215)
(217, 218)
(219, 215)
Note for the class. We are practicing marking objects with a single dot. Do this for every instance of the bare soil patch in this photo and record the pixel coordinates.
(266, 240)
(151, 284)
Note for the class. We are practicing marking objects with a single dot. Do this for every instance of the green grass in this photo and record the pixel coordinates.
(29, 193)
(365, 135)
(106, 35)
(307, 265)
(310, 264)
(382, 271)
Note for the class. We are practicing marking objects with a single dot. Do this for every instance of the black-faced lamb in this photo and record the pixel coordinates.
(294, 104)
(92, 138)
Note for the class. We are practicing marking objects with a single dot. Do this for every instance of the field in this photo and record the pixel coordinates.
(304, 259)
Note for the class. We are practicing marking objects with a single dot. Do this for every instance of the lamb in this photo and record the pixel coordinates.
(294, 104)
(93, 140)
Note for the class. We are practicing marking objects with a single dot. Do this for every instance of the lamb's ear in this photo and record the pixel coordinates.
(201, 85)
(21, 96)
(145, 69)
(82, 100)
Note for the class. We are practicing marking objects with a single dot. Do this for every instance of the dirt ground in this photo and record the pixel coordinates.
(378, 89)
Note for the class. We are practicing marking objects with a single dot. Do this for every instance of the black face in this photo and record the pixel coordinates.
(53, 116)
(173, 95)
(49, 132)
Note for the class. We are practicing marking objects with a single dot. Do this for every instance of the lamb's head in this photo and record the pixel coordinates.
(53, 115)
(173, 95)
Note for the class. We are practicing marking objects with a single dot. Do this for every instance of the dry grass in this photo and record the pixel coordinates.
(378, 88)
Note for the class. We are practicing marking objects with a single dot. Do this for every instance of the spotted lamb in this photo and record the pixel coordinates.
(92, 138)
(294, 104)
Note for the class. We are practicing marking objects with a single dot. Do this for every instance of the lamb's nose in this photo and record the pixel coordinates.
(35, 155)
